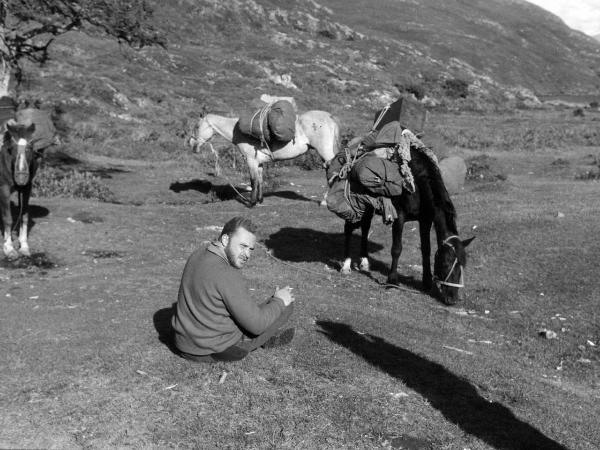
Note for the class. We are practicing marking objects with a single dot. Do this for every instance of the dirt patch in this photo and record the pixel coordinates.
(484, 168)
(103, 254)
(87, 217)
(37, 261)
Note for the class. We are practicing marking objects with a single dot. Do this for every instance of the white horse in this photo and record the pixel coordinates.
(314, 129)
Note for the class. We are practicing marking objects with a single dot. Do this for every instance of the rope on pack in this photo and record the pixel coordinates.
(262, 114)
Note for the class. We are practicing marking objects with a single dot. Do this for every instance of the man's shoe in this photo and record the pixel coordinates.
(283, 338)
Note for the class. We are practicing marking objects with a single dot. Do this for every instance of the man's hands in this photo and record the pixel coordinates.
(284, 294)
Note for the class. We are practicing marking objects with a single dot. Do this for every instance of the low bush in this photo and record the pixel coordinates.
(590, 174)
(51, 182)
(456, 88)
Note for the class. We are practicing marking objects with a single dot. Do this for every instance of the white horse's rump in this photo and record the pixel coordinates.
(314, 129)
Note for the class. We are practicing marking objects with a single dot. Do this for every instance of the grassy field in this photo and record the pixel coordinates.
(87, 364)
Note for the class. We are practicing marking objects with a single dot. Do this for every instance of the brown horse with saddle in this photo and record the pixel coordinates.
(391, 172)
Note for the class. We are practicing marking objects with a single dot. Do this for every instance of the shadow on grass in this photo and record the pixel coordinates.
(308, 245)
(290, 195)
(453, 396)
(59, 159)
(162, 324)
(34, 211)
(213, 192)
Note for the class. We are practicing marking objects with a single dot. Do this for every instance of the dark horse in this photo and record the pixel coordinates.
(430, 204)
(17, 169)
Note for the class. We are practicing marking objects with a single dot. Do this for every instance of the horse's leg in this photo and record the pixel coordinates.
(365, 226)
(425, 232)
(254, 179)
(397, 226)
(24, 207)
(259, 195)
(348, 229)
(9, 250)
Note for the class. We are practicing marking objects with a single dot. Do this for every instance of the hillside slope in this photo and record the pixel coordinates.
(343, 56)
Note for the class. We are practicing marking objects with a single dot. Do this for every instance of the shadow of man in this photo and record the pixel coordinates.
(162, 323)
(453, 396)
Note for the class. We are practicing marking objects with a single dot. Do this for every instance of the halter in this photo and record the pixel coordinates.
(445, 281)
(195, 138)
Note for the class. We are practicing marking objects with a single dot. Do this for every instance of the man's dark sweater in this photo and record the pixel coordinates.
(214, 307)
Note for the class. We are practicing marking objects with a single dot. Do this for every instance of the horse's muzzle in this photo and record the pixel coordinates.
(194, 144)
(22, 177)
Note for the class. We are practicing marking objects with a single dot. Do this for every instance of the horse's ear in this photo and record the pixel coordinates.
(8, 125)
(466, 242)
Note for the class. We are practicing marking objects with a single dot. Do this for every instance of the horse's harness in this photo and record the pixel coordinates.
(445, 281)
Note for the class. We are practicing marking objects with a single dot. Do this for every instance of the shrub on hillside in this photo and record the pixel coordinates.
(456, 88)
(51, 182)
(414, 88)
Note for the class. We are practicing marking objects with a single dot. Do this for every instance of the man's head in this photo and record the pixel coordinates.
(238, 239)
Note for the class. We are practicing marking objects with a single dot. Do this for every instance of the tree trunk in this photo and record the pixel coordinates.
(5, 68)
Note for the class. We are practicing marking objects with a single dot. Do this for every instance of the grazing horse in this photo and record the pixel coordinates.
(17, 169)
(314, 129)
(430, 204)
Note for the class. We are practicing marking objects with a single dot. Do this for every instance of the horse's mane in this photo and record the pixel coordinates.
(437, 193)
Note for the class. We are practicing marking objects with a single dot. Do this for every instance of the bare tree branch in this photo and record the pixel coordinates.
(28, 27)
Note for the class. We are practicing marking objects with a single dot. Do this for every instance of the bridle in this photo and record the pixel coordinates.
(195, 139)
(445, 281)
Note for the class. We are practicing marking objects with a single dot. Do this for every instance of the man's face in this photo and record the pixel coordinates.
(239, 247)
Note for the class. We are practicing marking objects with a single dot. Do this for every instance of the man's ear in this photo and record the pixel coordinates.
(224, 239)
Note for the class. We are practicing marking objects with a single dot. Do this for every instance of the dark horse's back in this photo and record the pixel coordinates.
(430, 191)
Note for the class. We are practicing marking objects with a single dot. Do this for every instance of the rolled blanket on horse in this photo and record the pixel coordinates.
(354, 189)
(379, 176)
(349, 200)
(274, 122)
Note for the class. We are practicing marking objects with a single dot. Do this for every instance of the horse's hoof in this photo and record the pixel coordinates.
(11, 256)
(364, 267)
(345, 270)
(394, 278)
(24, 251)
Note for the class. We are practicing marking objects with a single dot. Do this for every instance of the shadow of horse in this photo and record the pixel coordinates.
(308, 245)
(213, 192)
(453, 396)
(226, 192)
(162, 324)
(62, 161)
(291, 195)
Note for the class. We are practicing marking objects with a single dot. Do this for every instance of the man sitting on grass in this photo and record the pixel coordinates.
(215, 318)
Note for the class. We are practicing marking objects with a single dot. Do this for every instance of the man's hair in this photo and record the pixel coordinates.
(234, 224)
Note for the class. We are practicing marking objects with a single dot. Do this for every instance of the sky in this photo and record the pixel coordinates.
(582, 15)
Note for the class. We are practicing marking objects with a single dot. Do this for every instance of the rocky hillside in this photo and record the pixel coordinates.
(345, 56)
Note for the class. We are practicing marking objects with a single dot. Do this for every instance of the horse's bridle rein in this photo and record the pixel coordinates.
(445, 281)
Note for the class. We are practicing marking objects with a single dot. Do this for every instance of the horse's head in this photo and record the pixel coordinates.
(448, 266)
(201, 133)
(17, 142)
